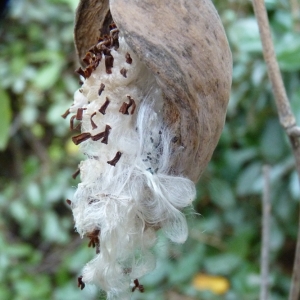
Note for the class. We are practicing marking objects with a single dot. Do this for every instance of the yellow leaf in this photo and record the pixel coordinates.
(216, 284)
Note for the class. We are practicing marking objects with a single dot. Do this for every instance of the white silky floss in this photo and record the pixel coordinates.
(127, 201)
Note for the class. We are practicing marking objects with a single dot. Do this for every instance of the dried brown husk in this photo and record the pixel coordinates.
(184, 45)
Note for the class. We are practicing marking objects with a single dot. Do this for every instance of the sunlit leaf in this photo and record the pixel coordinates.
(216, 284)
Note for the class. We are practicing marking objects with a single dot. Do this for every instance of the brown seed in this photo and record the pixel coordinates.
(101, 89)
(115, 39)
(128, 58)
(109, 61)
(125, 106)
(81, 138)
(138, 286)
(94, 50)
(92, 122)
(131, 103)
(80, 72)
(67, 112)
(115, 159)
(123, 71)
(77, 172)
(112, 26)
(104, 106)
(88, 58)
(69, 201)
(106, 133)
(98, 136)
(72, 122)
(94, 240)
(88, 71)
(80, 283)
(95, 62)
(79, 113)
(124, 109)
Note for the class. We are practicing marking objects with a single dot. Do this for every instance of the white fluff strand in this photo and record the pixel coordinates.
(126, 191)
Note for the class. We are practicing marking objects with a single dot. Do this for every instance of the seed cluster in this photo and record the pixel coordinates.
(92, 59)
(127, 189)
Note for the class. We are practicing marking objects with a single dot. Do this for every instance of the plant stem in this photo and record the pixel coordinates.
(286, 116)
(266, 209)
(295, 9)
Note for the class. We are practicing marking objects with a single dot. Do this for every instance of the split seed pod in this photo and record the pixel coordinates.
(152, 107)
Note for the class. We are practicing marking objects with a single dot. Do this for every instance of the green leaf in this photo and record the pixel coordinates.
(249, 179)
(221, 193)
(5, 118)
(48, 75)
(245, 35)
(288, 52)
(240, 244)
(222, 264)
(272, 144)
(187, 266)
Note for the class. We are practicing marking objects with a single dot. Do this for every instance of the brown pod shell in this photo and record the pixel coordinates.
(92, 20)
(184, 45)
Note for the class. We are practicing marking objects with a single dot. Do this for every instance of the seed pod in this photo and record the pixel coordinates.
(186, 49)
(164, 120)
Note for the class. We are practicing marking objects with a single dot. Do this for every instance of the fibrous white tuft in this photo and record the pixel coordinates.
(127, 189)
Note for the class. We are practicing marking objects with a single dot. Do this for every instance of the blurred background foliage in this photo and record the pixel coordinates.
(40, 253)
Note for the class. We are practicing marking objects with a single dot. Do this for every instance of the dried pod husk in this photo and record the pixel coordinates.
(185, 47)
(152, 107)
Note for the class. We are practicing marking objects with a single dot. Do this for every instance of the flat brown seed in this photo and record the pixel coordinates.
(101, 89)
(88, 58)
(77, 172)
(72, 122)
(115, 159)
(81, 138)
(79, 113)
(92, 122)
(124, 109)
(123, 71)
(128, 58)
(104, 106)
(109, 61)
(88, 71)
(131, 103)
(98, 136)
(67, 112)
(80, 72)
(80, 283)
(106, 134)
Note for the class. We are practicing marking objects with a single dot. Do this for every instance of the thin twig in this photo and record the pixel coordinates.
(295, 9)
(295, 285)
(264, 259)
(286, 116)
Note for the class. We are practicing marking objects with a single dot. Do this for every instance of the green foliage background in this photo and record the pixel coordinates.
(41, 255)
